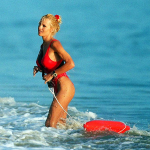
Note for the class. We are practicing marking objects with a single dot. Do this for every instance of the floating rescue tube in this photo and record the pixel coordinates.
(102, 125)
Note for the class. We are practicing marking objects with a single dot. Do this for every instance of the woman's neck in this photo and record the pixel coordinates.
(47, 39)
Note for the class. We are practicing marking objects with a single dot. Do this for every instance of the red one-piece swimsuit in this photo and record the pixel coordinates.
(49, 65)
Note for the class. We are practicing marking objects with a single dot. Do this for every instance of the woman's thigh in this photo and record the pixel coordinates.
(66, 90)
(65, 94)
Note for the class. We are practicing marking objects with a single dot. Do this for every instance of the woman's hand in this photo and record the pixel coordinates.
(47, 77)
(35, 70)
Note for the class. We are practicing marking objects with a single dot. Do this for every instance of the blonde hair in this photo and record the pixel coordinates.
(55, 22)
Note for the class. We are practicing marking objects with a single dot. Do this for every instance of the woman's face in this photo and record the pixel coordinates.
(44, 28)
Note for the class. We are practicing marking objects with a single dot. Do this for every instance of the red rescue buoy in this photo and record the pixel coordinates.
(102, 125)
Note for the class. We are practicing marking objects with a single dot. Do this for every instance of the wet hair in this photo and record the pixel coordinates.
(55, 22)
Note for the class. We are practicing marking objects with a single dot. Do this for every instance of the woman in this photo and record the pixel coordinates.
(53, 61)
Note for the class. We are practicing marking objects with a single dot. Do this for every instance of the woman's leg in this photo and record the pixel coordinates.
(63, 117)
(65, 94)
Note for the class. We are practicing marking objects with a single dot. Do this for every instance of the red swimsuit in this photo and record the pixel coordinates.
(49, 65)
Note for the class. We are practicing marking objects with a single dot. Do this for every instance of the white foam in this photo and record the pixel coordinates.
(74, 109)
(31, 137)
(83, 114)
(91, 115)
(8, 100)
(36, 105)
(26, 115)
(5, 132)
(136, 131)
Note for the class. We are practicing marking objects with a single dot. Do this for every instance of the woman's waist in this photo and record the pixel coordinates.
(53, 81)
(60, 75)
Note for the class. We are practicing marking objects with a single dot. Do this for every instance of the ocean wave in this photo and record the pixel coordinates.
(7, 100)
(22, 126)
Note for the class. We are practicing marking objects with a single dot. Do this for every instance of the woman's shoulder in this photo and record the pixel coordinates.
(56, 43)
(54, 40)
(57, 46)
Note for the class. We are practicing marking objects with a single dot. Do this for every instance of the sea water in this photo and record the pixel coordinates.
(109, 43)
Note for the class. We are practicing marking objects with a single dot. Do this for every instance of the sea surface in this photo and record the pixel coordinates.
(109, 42)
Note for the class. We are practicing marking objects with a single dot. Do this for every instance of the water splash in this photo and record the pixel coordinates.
(22, 126)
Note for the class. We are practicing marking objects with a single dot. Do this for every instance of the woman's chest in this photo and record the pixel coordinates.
(49, 53)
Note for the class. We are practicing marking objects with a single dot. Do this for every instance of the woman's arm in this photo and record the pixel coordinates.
(69, 63)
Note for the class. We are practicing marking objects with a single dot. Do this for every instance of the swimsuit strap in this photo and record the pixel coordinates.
(49, 46)
(52, 41)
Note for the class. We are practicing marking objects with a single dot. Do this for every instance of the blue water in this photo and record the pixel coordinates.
(109, 43)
